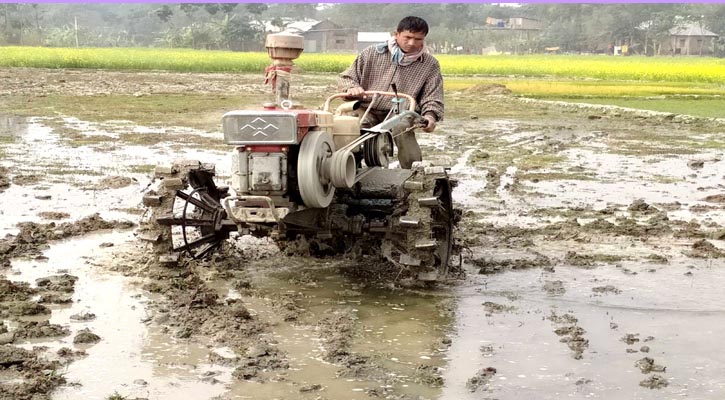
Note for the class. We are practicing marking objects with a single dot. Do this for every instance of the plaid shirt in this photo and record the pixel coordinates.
(376, 71)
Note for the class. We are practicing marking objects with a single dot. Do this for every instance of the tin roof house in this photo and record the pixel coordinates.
(690, 39)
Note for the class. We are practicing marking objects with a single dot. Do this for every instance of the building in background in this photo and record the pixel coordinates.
(321, 36)
(365, 39)
(689, 39)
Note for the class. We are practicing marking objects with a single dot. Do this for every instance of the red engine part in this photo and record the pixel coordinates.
(269, 148)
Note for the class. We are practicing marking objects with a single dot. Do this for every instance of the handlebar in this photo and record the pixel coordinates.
(411, 100)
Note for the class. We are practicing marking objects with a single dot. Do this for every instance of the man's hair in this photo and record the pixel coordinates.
(413, 24)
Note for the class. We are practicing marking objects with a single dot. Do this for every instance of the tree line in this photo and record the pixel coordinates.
(242, 27)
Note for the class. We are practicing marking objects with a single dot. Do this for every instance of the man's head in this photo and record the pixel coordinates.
(411, 33)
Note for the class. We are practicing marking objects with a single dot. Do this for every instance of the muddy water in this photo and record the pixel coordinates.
(681, 326)
(513, 321)
(68, 177)
(622, 177)
(131, 358)
(138, 359)
(395, 328)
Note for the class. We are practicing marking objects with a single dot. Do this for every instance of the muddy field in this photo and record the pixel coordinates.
(593, 257)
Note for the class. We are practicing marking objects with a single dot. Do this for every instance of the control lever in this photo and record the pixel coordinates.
(397, 100)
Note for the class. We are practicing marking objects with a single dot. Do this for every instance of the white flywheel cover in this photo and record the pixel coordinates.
(316, 147)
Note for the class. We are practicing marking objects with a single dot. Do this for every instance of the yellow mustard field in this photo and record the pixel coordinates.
(671, 69)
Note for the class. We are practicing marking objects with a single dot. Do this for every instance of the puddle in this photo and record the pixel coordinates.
(66, 181)
(132, 358)
(685, 321)
(622, 179)
(471, 181)
(11, 126)
(394, 328)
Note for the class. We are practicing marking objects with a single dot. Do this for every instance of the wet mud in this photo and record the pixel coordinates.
(592, 263)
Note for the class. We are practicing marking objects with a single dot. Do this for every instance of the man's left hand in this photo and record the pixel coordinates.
(431, 123)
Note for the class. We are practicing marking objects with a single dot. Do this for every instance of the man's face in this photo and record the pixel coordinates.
(408, 41)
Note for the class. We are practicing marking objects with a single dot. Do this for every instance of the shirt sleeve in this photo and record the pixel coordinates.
(431, 100)
(352, 76)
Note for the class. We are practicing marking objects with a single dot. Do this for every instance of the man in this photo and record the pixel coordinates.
(404, 61)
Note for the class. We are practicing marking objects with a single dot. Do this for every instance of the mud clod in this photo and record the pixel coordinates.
(260, 357)
(606, 289)
(38, 377)
(489, 266)
(53, 215)
(4, 180)
(114, 182)
(14, 291)
(70, 354)
(337, 331)
(495, 308)
(34, 237)
(654, 382)
(630, 338)
(83, 316)
(481, 379)
(311, 388)
(647, 365)
(696, 164)
(716, 198)
(705, 249)
(581, 260)
(57, 283)
(554, 287)
(640, 206)
(85, 336)
(570, 333)
(429, 375)
(22, 309)
(35, 329)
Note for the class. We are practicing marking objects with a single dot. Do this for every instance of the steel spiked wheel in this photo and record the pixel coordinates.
(422, 240)
(197, 220)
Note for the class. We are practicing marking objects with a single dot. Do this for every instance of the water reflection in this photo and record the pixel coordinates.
(11, 126)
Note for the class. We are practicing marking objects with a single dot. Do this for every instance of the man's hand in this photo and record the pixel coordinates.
(356, 91)
(431, 125)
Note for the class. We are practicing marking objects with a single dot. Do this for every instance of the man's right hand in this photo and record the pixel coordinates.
(356, 91)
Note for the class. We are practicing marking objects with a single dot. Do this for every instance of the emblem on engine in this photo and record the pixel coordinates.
(260, 127)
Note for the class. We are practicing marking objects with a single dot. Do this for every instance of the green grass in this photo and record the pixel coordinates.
(143, 168)
(554, 176)
(702, 107)
(699, 99)
(539, 161)
(200, 111)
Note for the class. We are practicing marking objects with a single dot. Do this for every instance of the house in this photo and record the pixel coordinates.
(521, 33)
(324, 36)
(365, 39)
(515, 23)
(689, 39)
(526, 24)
